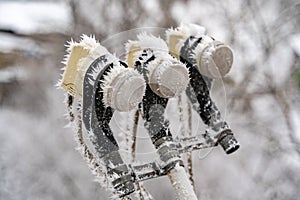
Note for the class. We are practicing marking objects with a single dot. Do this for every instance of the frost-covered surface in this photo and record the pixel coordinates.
(125, 90)
(181, 184)
(38, 159)
(166, 76)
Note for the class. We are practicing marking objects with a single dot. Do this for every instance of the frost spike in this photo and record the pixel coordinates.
(79, 56)
(116, 84)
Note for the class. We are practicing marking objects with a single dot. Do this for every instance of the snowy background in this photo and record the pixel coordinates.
(38, 159)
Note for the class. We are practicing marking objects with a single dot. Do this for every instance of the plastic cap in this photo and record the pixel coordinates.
(169, 79)
(216, 60)
(126, 90)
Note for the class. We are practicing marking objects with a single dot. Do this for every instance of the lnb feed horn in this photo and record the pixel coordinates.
(166, 76)
(123, 87)
(103, 83)
(96, 118)
(189, 43)
(152, 109)
(213, 58)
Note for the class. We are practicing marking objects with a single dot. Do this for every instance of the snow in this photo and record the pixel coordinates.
(9, 74)
(295, 43)
(10, 43)
(35, 17)
(295, 118)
